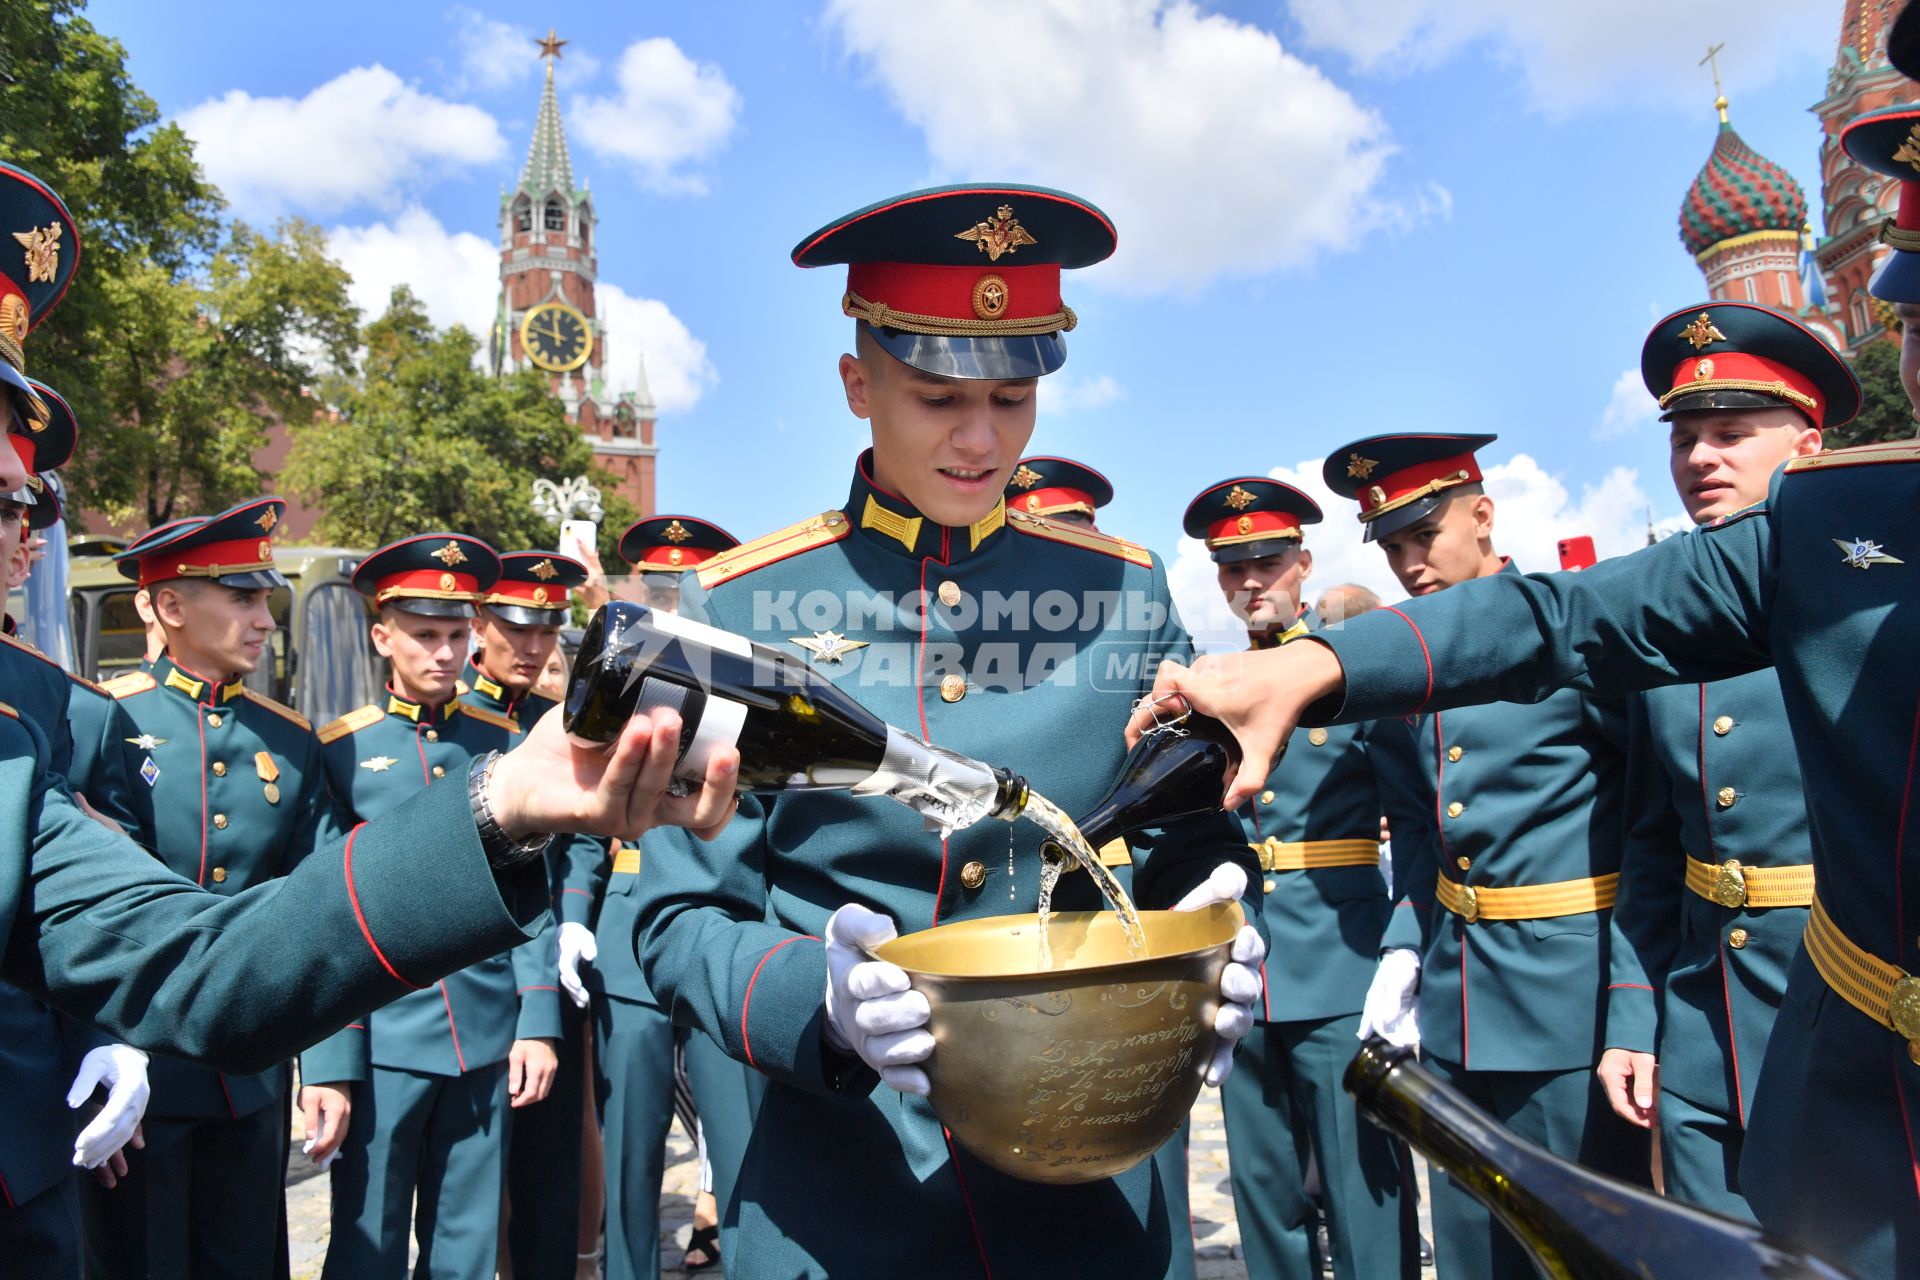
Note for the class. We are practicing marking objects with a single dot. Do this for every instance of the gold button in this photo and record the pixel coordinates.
(1463, 862)
(953, 688)
(1266, 797)
(1318, 737)
(219, 875)
(439, 771)
(1737, 939)
(833, 520)
(1267, 887)
(949, 593)
(219, 768)
(1913, 1052)
(1454, 754)
(1723, 725)
(213, 719)
(1455, 809)
(973, 875)
(1725, 797)
(433, 735)
(219, 822)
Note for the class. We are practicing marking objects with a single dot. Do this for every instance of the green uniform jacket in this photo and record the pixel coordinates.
(1326, 922)
(376, 759)
(231, 795)
(1037, 640)
(1716, 974)
(99, 730)
(1766, 585)
(38, 687)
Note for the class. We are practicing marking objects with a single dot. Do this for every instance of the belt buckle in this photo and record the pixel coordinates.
(1264, 852)
(1730, 889)
(1470, 911)
(1903, 1009)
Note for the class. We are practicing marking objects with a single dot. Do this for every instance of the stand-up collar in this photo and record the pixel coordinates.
(892, 522)
(171, 675)
(1307, 621)
(497, 695)
(418, 713)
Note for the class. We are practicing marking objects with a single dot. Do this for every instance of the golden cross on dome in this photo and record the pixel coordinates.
(1713, 60)
(550, 48)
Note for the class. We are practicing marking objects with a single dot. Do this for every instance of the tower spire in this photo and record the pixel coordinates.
(1712, 59)
(548, 165)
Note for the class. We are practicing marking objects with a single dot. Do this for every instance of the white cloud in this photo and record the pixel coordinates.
(678, 370)
(669, 114)
(1066, 393)
(1533, 510)
(456, 275)
(493, 54)
(1629, 408)
(364, 136)
(1217, 152)
(1582, 54)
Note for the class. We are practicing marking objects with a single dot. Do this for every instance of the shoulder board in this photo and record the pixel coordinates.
(125, 686)
(1075, 536)
(1862, 455)
(8, 712)
(280, 709)
(489, 717)
(815, 531)
(85, 683)
(355, 720)
(24, 647)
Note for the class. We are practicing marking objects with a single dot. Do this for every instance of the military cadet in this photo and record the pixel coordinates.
(432, 1074)
(1316, 830)
(1716, 878)
(232, 795)
(636, 1044)
(1505, 936)
(515, 629)
(956, 298)
(1815, 583)
(1059, 489)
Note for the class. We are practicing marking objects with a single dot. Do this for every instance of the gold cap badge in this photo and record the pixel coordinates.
(43, 252)
(450, 555)
(675, 555)
(267, 520)
(1359, 468)
(1001, 234)
(676, 532)
(1702, 332)
(1239, 499)
(1909, 152)
(539, 595)
(990, 297)
(1026, 477)
(544, 571)
(447, 582)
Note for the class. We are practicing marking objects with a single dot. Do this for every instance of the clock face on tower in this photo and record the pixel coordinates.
(556, 337)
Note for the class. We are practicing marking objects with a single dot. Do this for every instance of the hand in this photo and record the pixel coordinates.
(1631, 1080)
(1390, 1011)
(1260, 696)
(872, 1010)
(531, 1066)
(1240, 982)
(551, 783)
(109, 1174)
(576, 947)
(123, 1069)
(324, 1111)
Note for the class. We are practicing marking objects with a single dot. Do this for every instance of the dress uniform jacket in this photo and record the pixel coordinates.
(376, 758)
(1521, 795)
(1820, 583)
(1713, 779)
(844, 1176)
(99, 730)
(40, 689)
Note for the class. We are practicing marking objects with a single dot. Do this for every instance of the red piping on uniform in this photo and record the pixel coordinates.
(1900, 846)
(1428, 695)
(200, 723)
(1464, 1060)
(420, 743)
(453, 1031)
(1440, 831)
(353, 896)
(582, 892)
(1733, 1040)
(746, 1001)
(520, 990)
(1706, 808)
(233, 1113)
(920, 700)
(966, 1198)
(1628, 986)
(6, 1191)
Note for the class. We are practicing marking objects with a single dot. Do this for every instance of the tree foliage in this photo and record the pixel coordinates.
(425, 440)
(1885, 411)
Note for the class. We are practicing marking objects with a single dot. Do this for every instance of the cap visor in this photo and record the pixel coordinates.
(1241, 552)
(520, 616)
(1898, 279)
(1394, 521)
(1723, 399)
(253, 579)
(432, 608)
(988, 359)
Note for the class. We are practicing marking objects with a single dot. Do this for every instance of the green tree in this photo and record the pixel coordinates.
(1885, 411)
(425, 440)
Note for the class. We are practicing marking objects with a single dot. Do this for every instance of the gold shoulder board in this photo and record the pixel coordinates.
(8, 712)
(815, 531)
(358, 718)
(1862, 455)
(1075, 536)
(280, 709)
(24, 647)
(489, 717)
(85, 683)
(125, 686)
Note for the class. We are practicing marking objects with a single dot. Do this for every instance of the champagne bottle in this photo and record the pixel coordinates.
(1178, 770)
(1576, 1223)
(795, 729)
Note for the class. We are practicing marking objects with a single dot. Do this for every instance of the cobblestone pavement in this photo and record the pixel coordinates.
(1216, 1233)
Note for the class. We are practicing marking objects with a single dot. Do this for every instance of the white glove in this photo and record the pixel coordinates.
(123, 1069)
(1389, 1011)
(872, 1010)
(576, 947)
(1240, 983)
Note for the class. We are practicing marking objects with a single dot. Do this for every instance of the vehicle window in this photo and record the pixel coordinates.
(273, 676)
(118, 640)
(338, 669)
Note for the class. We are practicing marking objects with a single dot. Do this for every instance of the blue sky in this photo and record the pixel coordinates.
(1452, 216)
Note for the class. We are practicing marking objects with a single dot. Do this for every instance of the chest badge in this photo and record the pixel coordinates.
(828, 646)
(147, 742)
(1863, 553)
(269, 776)
(379, 764)
(150, 772)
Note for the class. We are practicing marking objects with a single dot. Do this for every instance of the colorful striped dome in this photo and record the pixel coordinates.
(1739, 191)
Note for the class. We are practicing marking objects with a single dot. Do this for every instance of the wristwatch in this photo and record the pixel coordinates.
(503, 852)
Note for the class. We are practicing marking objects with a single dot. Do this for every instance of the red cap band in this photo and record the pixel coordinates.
(675, 557)
(960, 293)
(1907, 216)
(208, 560)
(1253, 527)
(428, 584)
(1042, 501)
(1740, 371)
(24, 447)
(532, 595)
(1422, 478)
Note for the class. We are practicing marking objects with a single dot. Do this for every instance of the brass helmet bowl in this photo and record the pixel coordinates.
(1081, 1071)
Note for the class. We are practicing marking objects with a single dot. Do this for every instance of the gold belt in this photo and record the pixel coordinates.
(1528, 901)
(1306, 855)
(1884, 992)
(1114, 853)
(1731, 885)
(626, 860)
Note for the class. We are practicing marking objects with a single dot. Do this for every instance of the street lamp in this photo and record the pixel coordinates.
(574, 506)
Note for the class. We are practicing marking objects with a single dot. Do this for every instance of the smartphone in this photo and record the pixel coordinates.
(577, 536)
(1577, 553)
